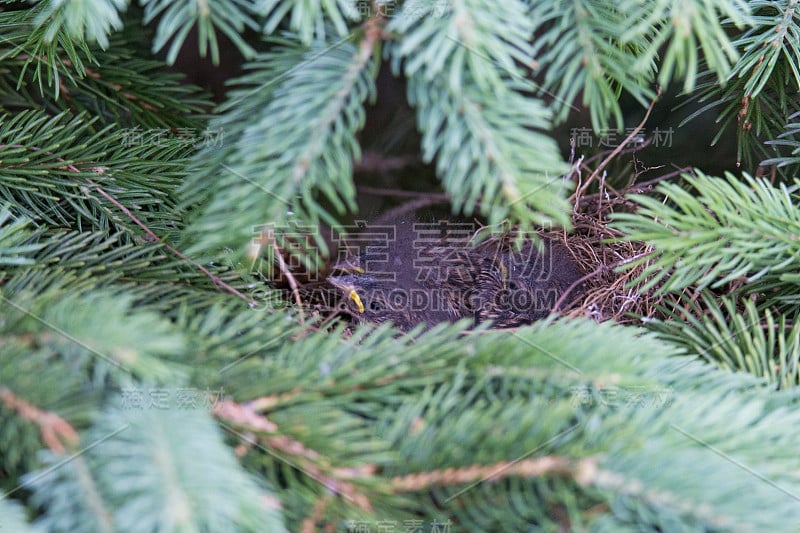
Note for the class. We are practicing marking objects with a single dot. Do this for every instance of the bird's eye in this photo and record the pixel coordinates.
(375, 305)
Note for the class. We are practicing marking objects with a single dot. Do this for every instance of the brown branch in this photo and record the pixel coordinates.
(306, 460)
(309, 524)
(292, 281)
(243, 415)
(152, 237)
(380, 191)
(584, 471)
(52, 427)
(155, 238)
(265, 403)
(373, 162)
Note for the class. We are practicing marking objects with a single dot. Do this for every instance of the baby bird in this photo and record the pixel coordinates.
(493, 281)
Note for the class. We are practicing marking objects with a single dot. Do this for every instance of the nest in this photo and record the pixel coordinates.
(612, 291)
(609, 290)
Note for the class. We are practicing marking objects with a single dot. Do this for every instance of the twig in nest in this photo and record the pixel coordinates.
(618, 149)
(633, 149)
(637, 187)
(600, 270)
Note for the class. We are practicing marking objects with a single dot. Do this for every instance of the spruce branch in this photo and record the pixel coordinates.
(48, 58)
(773, 37)
(32, 127)
(13, 516)
(437, 417)
(579, 47)
(176, 18)
(47, 159)
(488, 150)
(686, 28)
(16, 237)
(116, 85)
(490, 430)
(760, 342)
(465, 67)
(89, 20)
(760, 91)
(70, 493)
(448, 39)
(730, 229)
(310, 21)
(45, 401)
(157, 452)
(790, 139)
(280, 159)
(154, 238)
(82, 327)
(128, 90)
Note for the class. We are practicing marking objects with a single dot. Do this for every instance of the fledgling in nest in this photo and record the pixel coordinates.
(409, 282)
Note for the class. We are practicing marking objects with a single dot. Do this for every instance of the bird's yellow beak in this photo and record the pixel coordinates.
(349, 290)
(353, 295)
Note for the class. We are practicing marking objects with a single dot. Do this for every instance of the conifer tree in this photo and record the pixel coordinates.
(152, 380)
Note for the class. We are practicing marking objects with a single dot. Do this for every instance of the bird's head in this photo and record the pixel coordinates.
(370, 299)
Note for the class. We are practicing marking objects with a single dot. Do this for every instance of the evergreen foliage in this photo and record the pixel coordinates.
(761, 88)
(728, 229)
(477, 123)
(151, 380)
